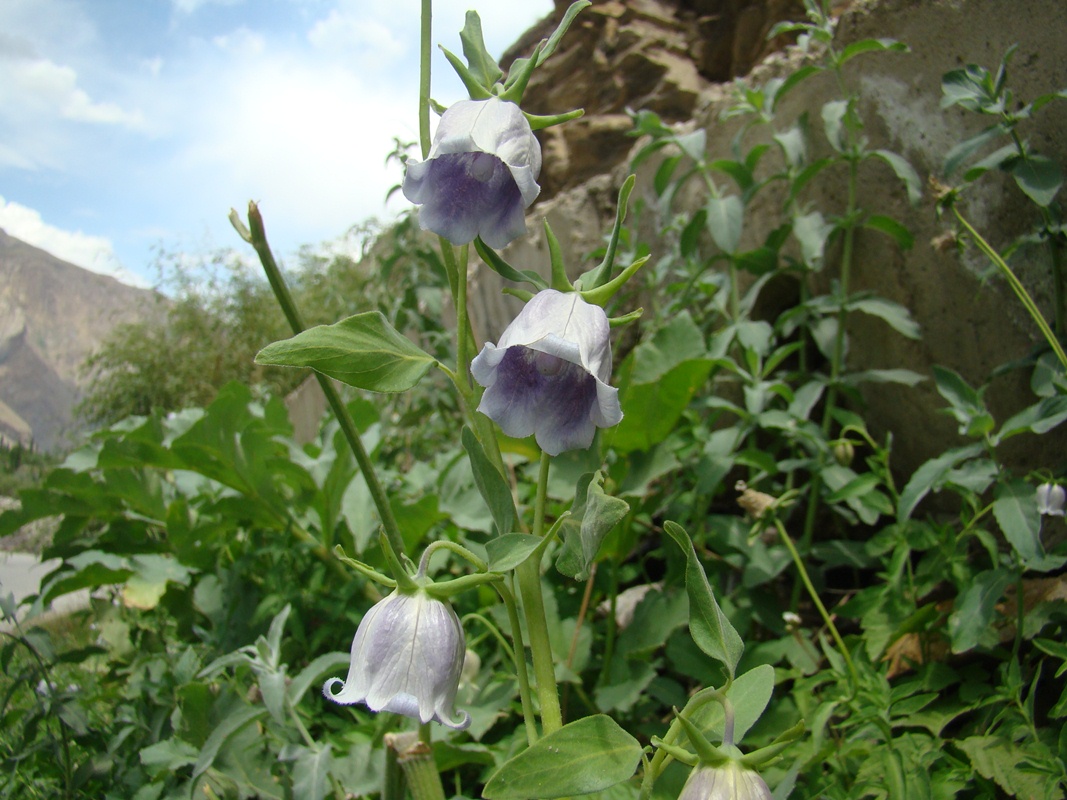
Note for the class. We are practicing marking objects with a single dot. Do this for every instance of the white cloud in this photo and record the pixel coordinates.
(242, 42)
(350, 34)
(192, 6)
(93, 253)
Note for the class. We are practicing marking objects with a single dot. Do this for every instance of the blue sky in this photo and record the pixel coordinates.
(131, 125)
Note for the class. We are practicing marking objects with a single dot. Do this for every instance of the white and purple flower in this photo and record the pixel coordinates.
(407, 657)
(480, 175)
(731, 781)
(548, 374)
(1050, 499)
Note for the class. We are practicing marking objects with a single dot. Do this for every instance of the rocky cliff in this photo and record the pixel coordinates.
(677, 57)
(53, 314)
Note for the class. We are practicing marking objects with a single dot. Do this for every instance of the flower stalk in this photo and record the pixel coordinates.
(255, 234)
(529, 577)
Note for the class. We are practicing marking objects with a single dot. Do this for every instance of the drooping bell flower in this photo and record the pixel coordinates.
(548, 373)
(729, 781)
(1050, 499)
(407, 657)
(480, 175)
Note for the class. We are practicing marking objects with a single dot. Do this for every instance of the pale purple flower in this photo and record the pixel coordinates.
(731, 781)
(480, 175)
(1050, 499)
(407, 657)
(548, 374)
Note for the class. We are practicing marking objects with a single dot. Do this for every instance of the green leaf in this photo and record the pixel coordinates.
(502, 268)
(152, 573)
(1038, 418)
(893, 314)
(585, 756)
(902, 376)
(833, 119)
(327, 662)
(976, 608)
(968, 147)
(593, 516)
(965, 403)
(709, 627)
(929, 476)
(229, 726)
(871, 46)
(660, 379)
(491, 484)
(508, 551)
(364, 351)
(725, 219)
(557, 35)
(1001, 760)
(311, 773)
(796, 77)
(749, 693)
(169, 755)
(890, 227)
(1039, 177)
(1015, 509)
(812, 231)
(482, 65)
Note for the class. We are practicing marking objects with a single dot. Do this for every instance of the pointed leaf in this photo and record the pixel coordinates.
(905, 171)
(491, 484)
(725, 220)
(364, 351)
(976, 608)
(709, 627)
(482, 65)
(1039, 177)
(593, 515)
(929, 476)
(311, 773)
(1015, 509)
(585, 756)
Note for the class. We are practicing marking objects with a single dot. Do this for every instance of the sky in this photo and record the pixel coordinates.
(131, 127)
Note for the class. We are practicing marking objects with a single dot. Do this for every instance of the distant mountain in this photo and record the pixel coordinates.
(53, 314)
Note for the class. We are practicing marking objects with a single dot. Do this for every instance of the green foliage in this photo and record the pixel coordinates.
(209, 536)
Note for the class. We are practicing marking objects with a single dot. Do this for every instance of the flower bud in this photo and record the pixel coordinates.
(548, 374)
(729, 781)
(480, 174)
(407, 657)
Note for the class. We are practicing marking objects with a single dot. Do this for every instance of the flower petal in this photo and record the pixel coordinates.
(480, 175)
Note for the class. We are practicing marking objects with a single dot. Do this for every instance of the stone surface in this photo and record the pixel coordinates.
(969, 323)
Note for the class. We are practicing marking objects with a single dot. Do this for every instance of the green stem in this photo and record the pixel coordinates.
(258, 239)
(463, 327)
(1016, 286)
(528, 713)
(425, 52)
(469, 396)
(415, 757)
(827, 619)
(528, 575)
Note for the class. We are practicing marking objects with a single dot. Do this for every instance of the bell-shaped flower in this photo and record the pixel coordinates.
(407, 657)
(480, 174)
(729, 781)
(1050, 499)
(548, 374)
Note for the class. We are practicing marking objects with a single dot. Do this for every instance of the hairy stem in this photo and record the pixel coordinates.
(258, 239)
(528, 575)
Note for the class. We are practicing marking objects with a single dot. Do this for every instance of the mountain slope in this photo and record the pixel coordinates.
(53, 314)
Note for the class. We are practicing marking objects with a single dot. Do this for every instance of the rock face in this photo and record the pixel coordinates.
(670, 56)
(658, 55)
(53, 314)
